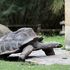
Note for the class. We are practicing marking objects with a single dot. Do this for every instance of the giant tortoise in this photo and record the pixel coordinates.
(24, 41)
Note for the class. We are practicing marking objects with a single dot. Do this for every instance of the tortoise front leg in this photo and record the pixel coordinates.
(49, 51)
(26, 51)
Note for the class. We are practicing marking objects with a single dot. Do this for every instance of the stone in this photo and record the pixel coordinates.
(4, 30)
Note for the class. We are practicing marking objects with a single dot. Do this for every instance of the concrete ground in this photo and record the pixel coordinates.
(39, 57)
(60, 57)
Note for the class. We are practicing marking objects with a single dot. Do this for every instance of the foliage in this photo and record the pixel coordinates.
(48, 13)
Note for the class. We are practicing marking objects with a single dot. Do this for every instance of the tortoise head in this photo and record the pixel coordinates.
(58, 45)
(55, 45)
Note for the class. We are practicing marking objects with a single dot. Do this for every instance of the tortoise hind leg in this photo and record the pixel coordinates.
(4, 56)
(49, 51)
(26, 51)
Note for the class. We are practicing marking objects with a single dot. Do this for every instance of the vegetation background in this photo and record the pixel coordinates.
(48, 13)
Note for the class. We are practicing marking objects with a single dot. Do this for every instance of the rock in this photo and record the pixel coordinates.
(62, 23)
(4, 30)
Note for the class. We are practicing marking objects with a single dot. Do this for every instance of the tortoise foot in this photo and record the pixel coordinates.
(49, 51)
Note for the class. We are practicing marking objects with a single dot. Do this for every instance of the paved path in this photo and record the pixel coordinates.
(60, 57)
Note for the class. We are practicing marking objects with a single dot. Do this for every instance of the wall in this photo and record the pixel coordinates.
(67, 12)
(67, 24)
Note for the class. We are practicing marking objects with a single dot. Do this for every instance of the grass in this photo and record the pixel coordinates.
(57, 38)
(16, 65)
(6, 65)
